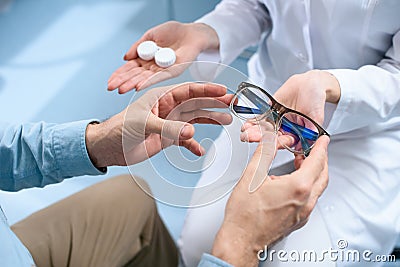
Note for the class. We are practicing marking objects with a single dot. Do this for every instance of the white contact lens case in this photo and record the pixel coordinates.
(164, 57)
(147, 50)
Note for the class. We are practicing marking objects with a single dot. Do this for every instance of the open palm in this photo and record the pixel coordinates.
(164, 116)
(187, 40)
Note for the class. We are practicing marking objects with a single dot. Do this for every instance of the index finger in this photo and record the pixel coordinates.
(125, 68)
(314, 164)
(257, 170)
(192, 90)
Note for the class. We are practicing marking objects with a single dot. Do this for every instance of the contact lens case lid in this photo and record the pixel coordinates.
(165, 57)
(147, 50)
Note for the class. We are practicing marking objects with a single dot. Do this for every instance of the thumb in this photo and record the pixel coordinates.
(258, 168)
(175, 130)
(132, 52)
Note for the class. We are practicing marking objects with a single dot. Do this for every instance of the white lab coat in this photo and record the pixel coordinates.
(359, 42)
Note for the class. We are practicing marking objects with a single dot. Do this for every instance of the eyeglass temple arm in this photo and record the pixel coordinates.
(294, 127)
(287, 125)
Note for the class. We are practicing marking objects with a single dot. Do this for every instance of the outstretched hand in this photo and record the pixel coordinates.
(160, 118)
(187, 40)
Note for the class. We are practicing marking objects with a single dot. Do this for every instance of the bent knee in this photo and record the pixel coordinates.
(131, 190)
(123, 195)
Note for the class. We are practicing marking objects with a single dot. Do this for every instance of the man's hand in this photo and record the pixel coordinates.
(308, 93)
(160, 118)
(281, 205)
(187, 40)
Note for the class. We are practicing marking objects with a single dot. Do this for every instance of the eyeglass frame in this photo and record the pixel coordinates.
(278, 110)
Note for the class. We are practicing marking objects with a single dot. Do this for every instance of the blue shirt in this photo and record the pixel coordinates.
(38, 154)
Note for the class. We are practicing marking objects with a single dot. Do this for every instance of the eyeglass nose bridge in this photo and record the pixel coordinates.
(274, 114)
(279, 109)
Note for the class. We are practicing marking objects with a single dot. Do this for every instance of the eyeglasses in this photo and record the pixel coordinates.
(254, 103)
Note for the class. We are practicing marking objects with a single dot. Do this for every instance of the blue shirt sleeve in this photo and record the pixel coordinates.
(38, 154)
(12, 251)
(208, 260)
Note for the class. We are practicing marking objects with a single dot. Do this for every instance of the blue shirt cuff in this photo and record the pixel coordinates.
(69, 144)
(208, 260)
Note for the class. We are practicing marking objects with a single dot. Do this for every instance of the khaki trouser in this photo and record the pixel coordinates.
(112, 223)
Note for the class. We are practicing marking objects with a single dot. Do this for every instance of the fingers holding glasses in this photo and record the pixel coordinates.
(253, 131)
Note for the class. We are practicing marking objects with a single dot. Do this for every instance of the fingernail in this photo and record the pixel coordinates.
(124, 57)
(202, 151)
(227, 117)
(185, 131)
(329, 139)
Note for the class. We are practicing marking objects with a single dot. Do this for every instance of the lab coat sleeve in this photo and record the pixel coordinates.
(370, 94)
(239, 24)
(37, 154)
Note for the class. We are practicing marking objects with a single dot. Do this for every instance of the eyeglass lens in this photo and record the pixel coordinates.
(252, 104)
